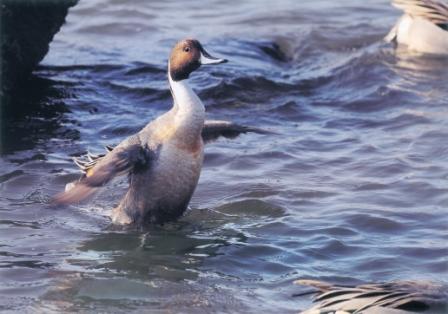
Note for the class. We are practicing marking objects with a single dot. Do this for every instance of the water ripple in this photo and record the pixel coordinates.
(353, 188)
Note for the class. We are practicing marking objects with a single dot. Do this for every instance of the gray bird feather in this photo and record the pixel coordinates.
(213, 129)
(394, 297)
(435, 11)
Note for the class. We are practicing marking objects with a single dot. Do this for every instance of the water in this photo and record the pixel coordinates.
(352, 189)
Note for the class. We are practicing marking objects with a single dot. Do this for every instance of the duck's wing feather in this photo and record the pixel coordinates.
(435, 11)
(394, 297)
(88, 161)
(213, 129)
(100, 169)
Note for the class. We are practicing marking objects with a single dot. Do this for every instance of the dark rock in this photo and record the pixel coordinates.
(27, 28)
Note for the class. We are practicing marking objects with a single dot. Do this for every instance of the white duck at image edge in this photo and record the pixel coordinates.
(398, 297)
(163, 161)
(423, 27)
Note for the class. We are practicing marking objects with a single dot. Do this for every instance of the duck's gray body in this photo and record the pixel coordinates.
(163, 162)
(161, 188)
(160, 192)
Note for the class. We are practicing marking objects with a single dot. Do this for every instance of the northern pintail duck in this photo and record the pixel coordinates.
(399, 297)
(423, 27)
(163, 160)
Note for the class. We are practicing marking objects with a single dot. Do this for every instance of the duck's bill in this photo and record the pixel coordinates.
(206, 58)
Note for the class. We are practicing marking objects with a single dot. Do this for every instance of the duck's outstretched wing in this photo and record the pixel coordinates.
(100, 169)
(435, 11)
(394, 297)
(214, 129)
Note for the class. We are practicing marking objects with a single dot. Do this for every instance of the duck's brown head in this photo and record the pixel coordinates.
(187, 56)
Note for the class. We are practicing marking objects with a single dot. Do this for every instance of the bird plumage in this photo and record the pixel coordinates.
(163, 161)
(423, 27)
(394, 297)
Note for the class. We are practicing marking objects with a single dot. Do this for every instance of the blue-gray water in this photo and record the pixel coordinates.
(354, 188)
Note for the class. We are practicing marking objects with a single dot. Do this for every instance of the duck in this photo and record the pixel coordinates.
(423, 27)
(397, 297)
(163, 160)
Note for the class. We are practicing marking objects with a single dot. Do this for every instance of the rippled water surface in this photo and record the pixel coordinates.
(353, 188)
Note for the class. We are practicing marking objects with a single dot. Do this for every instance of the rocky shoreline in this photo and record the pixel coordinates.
(27, 28)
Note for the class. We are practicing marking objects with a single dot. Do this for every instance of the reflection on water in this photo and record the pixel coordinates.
(352, 189)
(35, 115)
(134, 262)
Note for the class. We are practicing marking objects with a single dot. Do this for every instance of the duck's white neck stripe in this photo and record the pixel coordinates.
(190, 111)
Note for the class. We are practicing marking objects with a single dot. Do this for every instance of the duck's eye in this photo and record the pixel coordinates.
(187, 49)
